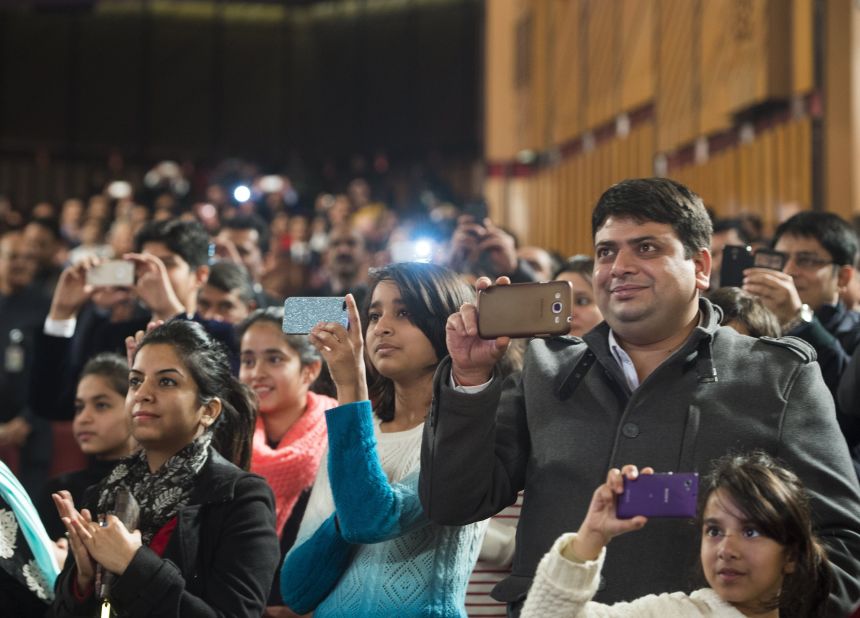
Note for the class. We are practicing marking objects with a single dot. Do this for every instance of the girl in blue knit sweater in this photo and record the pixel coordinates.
(365, 547)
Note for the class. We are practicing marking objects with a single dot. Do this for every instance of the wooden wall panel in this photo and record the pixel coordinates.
(717, 64)
(567, 62)
(601, 103)
(636, 71)
(677, 101)
(802, 51)
(500, 114)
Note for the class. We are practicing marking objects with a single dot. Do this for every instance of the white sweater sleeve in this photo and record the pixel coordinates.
(564, 589)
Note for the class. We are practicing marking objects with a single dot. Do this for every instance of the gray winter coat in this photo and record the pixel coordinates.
(555, 430)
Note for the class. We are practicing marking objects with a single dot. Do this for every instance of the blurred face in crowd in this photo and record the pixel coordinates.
(811, 266)
(248, 245)
(216, 304)
(646, 288)
(850, 295)
(273, 369)
(43, 243)
(346, 253)
(585, 312)
(719, 240)
(72, 213)
(102, 427)
(184, 280)
(539, 260)
(17, 263)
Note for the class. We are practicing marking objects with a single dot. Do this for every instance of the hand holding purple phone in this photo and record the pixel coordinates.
(601, 523)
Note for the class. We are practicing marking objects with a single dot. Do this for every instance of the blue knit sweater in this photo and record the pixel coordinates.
(378, 555)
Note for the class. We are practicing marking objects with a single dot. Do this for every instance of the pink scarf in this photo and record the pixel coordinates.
(292, 466)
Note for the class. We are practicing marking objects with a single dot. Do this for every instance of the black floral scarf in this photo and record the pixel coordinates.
(160, 494)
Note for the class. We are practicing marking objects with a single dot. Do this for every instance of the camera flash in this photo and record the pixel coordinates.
(241, 194)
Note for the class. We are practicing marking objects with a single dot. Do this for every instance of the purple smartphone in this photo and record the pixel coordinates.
(659, 495)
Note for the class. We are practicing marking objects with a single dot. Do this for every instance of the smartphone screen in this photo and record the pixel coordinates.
(525, 310)
(302, 313)
(659, 495)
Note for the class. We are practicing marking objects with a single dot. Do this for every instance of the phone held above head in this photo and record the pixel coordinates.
(113, 273)
(737, 258)
(659, 495)
(525, 310)
(302, 313)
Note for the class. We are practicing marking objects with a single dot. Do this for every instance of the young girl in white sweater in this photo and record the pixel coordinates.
(759, 554)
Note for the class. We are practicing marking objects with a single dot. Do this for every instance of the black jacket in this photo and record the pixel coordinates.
(556, 428)
(835, 335)
(220, 560)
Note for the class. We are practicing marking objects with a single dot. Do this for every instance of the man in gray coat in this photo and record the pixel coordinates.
(659, 383)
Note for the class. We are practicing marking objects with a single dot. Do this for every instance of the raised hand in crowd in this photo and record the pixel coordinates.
(72, 291)
(343, 351)
(473, 358)
(153, 286)
(132, 341)
(482, 248)
(776, 290)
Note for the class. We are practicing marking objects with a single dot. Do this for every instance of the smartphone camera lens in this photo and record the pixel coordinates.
(557, 307)
(688, 484)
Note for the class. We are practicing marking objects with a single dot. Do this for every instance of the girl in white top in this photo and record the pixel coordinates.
(758, 552)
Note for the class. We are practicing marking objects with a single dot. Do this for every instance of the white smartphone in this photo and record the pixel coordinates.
(114, 273)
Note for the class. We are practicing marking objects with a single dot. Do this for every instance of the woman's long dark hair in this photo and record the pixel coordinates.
(773, 498)
(431, 293)
(206, 359)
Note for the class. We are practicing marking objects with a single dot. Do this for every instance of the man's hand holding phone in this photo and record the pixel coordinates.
(776, 290)
(154, 287)
(473, 358)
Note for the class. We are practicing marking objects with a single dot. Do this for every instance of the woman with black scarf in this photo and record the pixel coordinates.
(205, 541)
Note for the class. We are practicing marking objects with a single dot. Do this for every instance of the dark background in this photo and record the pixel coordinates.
(263, 81)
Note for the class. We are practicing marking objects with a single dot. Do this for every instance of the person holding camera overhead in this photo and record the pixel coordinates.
(821, 249)
(365, 547)
(659, 382)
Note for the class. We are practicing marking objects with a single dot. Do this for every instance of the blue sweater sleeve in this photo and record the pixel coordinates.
(369, 509)
(312, 569)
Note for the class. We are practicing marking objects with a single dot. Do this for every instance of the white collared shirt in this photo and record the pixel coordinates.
(624, 361)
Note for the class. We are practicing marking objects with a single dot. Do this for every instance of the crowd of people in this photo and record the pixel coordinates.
(398, 464)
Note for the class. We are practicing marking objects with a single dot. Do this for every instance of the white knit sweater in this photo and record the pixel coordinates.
(563, 589)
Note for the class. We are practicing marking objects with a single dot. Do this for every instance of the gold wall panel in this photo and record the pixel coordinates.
(567, 62)
(601, 17)
(677, 103)
(636, 72)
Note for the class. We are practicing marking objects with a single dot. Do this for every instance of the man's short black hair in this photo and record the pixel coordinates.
(187, 239)
(725, 225)
(660, 200)
(833, 232)
(228, 276)
(250, 222)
